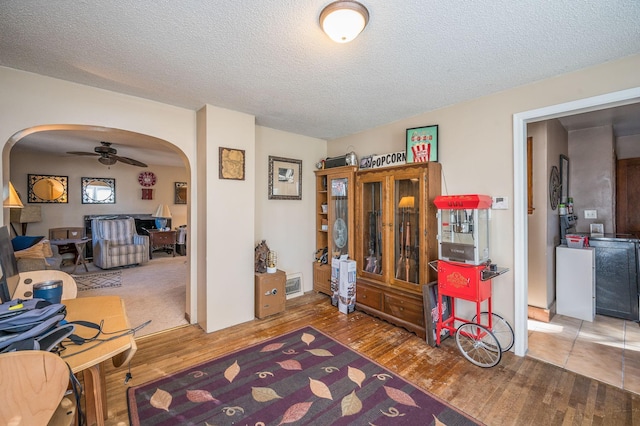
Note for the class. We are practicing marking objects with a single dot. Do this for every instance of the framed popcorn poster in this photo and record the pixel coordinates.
(422, 144)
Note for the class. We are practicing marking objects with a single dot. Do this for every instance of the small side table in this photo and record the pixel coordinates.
(159, 240)
(80, 245)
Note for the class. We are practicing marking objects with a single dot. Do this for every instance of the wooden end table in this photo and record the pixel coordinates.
(161, 240)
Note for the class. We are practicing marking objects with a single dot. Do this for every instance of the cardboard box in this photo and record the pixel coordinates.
(335, 278)
(347, 286)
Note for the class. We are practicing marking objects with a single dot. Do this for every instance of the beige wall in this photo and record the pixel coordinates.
(227, 222)
(627, 147)
(549, 141)
(128, 191)
(288, 225)
(592, 176)
(222, 214)
(477, 148)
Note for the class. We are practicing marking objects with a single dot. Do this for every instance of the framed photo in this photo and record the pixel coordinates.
(231, 163)
(422, 144)
(430, 302)
(180, 193)
(285, 181)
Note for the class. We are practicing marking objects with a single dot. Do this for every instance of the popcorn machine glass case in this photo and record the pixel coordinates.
(463, 228)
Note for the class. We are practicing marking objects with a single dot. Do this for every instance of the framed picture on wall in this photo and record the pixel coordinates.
(231, 163)
(180, 193)
(422, 144)
(285, 178)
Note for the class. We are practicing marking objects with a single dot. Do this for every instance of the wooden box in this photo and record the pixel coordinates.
(270, 294)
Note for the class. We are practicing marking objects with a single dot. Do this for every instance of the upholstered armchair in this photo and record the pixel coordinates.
(116, 243)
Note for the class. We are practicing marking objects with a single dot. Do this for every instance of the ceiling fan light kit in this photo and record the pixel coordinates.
(108, 155)
(343, 20)
(107, 161)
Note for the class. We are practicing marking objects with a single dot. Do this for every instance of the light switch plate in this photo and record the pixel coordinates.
(500, 203)
(591, 214)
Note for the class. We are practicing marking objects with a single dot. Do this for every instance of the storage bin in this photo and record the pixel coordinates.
(577, 241)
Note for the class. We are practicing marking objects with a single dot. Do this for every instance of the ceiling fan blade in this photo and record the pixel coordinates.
(130, 161)
(81, 153)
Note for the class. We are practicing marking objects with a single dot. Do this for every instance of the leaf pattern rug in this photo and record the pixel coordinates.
(300, 378)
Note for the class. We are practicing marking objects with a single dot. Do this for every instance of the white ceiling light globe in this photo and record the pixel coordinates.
(342, 21)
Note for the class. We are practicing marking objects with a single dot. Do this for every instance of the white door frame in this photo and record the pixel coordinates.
(520, 121)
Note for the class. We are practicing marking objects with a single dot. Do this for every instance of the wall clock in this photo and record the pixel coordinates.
(147, 178)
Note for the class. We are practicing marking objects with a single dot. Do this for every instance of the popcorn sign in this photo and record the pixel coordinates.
(422, 144)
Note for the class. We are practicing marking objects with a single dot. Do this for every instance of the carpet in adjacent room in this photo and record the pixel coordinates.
(302, 377)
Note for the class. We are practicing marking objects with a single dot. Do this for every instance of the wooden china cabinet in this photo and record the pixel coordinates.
(335, 204)
(396, 230)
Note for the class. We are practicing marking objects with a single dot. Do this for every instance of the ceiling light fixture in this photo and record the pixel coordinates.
(343, 20)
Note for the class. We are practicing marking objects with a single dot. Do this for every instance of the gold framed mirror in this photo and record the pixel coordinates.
(98, 190)
(180, 193)
(48, 189)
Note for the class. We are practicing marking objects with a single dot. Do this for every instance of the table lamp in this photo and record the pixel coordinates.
(162, 214)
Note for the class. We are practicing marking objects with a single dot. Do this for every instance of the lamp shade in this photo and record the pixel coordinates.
(343, 20)
(406, 202)
(28, 214)
(12, 200)
(162, 211)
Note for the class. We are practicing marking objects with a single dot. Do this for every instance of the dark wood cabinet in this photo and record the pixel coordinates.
(396, 228)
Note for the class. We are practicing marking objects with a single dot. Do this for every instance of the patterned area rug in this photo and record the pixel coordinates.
(303, 378)
(98, 280)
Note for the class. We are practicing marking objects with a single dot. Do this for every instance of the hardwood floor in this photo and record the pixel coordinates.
(518, 391)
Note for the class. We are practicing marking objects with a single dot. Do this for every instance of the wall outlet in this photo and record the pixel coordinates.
(500, 203)
(590, 214)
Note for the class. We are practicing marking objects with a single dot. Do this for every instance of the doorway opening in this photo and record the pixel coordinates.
(520, 122)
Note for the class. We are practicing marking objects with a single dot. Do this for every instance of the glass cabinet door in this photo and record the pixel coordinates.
(339, 218)
(406, 205)
(372, 231)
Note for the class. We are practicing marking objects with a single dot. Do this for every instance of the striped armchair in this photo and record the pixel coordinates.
(116, 243)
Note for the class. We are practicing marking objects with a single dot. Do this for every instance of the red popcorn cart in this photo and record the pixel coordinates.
(465, 272)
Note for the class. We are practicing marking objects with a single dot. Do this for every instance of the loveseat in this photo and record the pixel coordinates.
(117, 243)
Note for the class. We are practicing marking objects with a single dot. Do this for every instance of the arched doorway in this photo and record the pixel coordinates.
(44, 150)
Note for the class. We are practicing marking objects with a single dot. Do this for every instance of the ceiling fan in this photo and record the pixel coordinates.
(108, 155)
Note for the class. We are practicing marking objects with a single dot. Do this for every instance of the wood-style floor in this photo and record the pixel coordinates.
(518, 391)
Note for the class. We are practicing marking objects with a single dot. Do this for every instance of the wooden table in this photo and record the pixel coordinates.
(80, 245)
(161, 240)
(87, 358)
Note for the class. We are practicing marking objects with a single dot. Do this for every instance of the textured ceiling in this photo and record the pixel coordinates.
(270, 59)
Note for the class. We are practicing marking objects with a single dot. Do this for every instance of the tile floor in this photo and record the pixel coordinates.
(607, 349)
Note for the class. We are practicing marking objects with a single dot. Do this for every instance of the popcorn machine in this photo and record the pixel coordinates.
(465, 271)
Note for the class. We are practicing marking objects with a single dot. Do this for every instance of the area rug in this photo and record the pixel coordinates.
(98, 280)
(302, 378)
